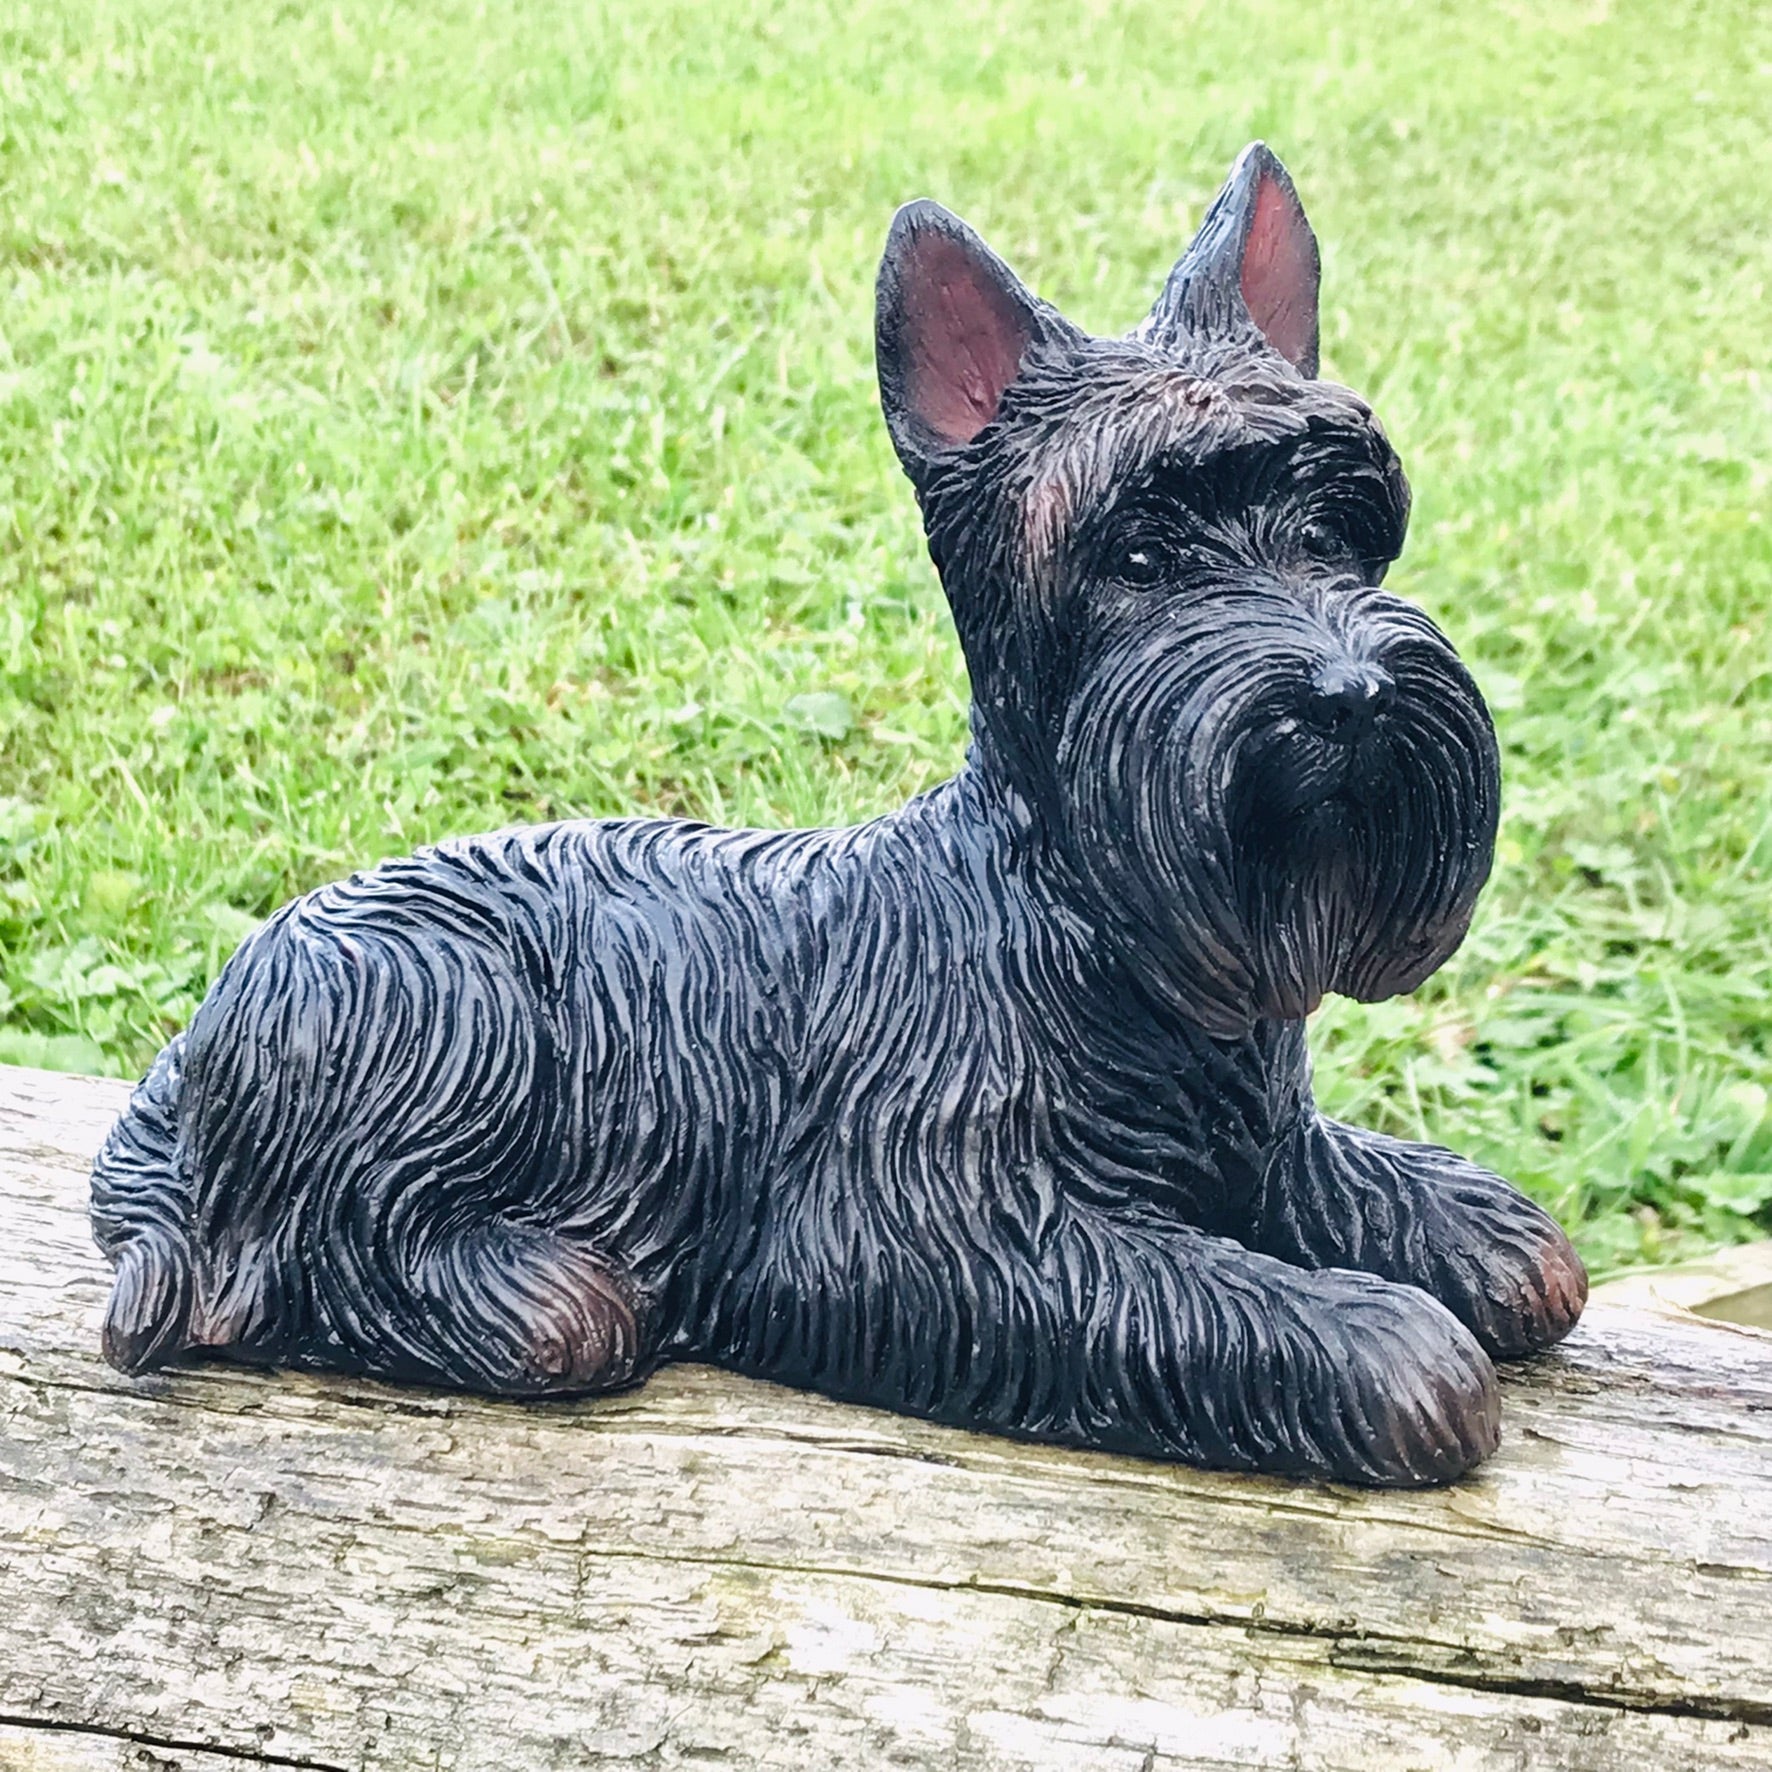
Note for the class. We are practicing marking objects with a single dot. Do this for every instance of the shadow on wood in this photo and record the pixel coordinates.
(213, 1568)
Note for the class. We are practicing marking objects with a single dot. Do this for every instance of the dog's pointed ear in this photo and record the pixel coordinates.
(1253, 264)
(952, 325)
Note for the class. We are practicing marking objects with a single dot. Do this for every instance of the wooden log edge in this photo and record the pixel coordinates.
(212, 1567)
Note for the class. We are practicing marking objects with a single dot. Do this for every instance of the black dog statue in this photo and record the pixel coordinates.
(996, 1110)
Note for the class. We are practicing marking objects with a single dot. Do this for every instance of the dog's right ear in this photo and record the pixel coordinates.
(1252, 269)
(952, 325)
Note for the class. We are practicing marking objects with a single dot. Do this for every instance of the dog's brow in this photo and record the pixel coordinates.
(1128, 477)
(1047, 511)
(1294, 457)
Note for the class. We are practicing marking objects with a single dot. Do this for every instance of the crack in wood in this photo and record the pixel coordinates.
(156, 1744)
(1612, 1698)
(1620, 1699)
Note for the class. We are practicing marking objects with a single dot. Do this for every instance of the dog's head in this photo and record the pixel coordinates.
(1270, 777)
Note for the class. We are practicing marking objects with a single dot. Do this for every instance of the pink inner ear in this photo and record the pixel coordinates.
(1280, 274)
(965, 339)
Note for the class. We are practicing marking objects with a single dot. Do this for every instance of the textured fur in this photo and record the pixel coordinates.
(997, 1109)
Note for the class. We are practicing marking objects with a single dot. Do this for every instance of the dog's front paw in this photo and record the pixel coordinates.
(1337, 1196)
(1399, 1393)
(1499, 1263)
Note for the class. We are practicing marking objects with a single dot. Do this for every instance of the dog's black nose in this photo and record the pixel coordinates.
(1347, 695)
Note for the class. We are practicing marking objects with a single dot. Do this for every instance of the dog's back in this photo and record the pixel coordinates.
(593, 1053)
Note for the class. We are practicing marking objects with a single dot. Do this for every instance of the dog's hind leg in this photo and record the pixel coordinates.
(388, 1162)
(1337, 1196)
(497, 1306)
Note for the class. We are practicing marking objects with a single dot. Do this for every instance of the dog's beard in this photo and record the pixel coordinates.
(1272, 864)
(1362, 881)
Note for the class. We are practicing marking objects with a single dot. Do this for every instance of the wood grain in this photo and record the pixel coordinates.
(217, 1567)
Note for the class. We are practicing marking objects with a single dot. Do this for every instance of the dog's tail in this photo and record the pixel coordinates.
(141, 1219)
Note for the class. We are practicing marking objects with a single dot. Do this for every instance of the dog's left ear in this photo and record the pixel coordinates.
(1253, 264)
(952, 326)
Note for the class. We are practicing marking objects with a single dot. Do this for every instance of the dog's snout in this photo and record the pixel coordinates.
(1347, 695)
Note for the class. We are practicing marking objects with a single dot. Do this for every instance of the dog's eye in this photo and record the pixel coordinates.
(1323, 541)
(1139, 566)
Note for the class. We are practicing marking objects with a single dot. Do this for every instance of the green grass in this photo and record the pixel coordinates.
(420, 417)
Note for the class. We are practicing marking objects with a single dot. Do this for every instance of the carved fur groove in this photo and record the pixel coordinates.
(995, 1110)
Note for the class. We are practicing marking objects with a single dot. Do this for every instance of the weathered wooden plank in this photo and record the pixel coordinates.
(331, 1573)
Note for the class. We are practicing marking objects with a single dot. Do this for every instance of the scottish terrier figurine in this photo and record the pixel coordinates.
(996, 1110)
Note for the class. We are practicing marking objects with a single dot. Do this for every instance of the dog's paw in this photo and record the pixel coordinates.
(1398, 1393)
(1503, 1264)
(1423, 1216)
(527, 1313)
(1500, 1264)
(1497, 1261)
